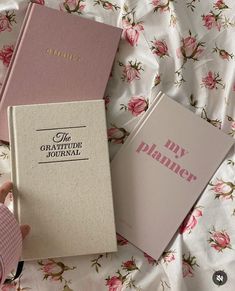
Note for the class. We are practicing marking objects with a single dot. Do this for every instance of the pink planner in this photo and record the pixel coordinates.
(161, 170)
(58, 57)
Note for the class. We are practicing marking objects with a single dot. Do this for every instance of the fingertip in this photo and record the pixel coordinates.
(4, 190)
(8, 185)
(25, 229)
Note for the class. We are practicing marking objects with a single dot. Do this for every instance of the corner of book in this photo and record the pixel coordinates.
(9, 110)
(30, 6)
(115, 248)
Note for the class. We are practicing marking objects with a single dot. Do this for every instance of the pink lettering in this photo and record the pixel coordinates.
(175, 167)
(183, 173)
(191, 177)
(151, 149)
(165, 161)
(175, 148)
(170, 164)
(143, 147)
(156, 155)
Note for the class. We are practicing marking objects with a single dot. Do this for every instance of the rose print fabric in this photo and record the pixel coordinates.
(186, 49)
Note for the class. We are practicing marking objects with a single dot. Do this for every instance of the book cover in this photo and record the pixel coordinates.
(161, 170)
(54, 60)
(61, 177)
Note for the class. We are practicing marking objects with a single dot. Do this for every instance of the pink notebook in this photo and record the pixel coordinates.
(58, 57)
(160, 172)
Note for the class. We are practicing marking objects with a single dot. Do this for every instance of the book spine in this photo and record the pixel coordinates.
(108, 166)
(14, 56)
(13, 160)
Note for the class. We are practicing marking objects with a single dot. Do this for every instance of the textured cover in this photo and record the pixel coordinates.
(61, 176)
(57, 53)
(161, 171)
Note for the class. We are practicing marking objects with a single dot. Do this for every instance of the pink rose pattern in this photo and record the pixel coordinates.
(117, 135)
(212, 80)
(220, 4)
(223, 190)
(131, 71)
(219, 240)
(212, 20)
(131, 28)
(190, 49)
(137, 105)
(124, 278)
(6, 21)
(73, 6)
(224, 55)
(114, 283)
(168, 256)
(6, 54)
(161, 5)
(107, 5)
(191, 220)
(129, 265)
(54, 271)
(159, 48)
(188, 265)
(215, 19)
(165, 6)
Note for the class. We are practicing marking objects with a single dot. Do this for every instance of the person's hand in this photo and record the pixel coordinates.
(4, 190)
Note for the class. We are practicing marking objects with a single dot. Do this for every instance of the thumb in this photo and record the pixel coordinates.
(25, 229)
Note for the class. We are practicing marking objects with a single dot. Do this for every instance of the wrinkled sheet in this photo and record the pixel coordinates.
(186, 49)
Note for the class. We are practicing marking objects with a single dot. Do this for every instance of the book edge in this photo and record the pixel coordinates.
(15, 53)
(220, 132)
(57, 103)
(115, 28)
(10, 112)
(110, 177)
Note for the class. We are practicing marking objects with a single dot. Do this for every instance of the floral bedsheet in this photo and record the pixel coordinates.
(185, 48)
